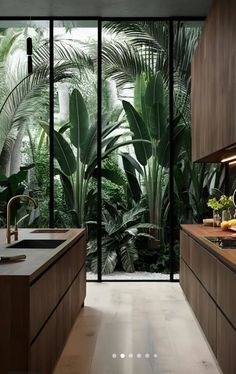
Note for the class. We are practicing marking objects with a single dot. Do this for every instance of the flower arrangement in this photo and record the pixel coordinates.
(224, 203)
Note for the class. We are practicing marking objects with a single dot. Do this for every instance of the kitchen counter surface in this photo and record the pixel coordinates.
(37, 260)
(199, 232)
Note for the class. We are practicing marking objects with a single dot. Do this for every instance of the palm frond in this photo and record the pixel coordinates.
(123, 63)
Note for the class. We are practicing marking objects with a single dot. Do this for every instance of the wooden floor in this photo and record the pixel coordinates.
(136, 328)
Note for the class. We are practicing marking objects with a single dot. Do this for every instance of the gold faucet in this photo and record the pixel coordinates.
(15, 232)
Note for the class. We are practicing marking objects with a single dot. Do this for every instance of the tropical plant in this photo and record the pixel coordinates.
(9, 187)
(120, 231)
(141, 47)
(149, 122)
(24, 93)
(77, 156)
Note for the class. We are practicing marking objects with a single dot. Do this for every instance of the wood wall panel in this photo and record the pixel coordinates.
(214, 85)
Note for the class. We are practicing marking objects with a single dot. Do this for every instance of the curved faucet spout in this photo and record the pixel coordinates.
(15, 232)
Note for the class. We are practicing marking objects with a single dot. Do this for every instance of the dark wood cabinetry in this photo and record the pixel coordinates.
(209, 286)
(226, 344)
(226, 286)
(214, 86)
(36, 316)
(201, 302)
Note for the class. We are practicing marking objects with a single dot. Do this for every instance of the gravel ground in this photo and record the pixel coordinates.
(138, 275)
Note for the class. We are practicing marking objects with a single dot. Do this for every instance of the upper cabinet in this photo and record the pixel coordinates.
(214, 86)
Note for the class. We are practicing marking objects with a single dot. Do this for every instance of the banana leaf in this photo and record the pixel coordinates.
(143, 150)
(79, 123)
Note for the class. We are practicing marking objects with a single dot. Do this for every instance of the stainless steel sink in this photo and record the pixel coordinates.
(37, 243)
(48, 231)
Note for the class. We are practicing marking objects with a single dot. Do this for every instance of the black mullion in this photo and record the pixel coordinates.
(99, 158)
(51, 124)
(171, 153)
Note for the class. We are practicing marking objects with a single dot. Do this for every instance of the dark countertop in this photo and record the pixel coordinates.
(37, 260)
(198, 232)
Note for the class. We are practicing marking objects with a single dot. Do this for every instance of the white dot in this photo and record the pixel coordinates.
(114, 355)
(139, 355)
(147, 355)
(155, 355)
(122, 355)
(130, 355)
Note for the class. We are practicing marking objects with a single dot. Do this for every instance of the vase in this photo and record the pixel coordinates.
(216, 218)
(226, 215)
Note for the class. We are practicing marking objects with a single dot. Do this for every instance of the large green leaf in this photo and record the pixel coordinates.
(128, 254)
(62, 152)
(67, 186)
(155, 101)
(139, 92)
(143, 150)
(113, 176)
(79, 122)
(133, 183)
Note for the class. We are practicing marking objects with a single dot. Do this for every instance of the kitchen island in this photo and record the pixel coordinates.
(40, 298)
(208, 280)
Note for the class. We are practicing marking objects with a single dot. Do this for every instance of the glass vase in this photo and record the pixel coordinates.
(226, 215)
(216, 218)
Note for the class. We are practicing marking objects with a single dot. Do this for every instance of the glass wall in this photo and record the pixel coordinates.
(24, 151)
(135, 170)
(75, 129)
(136, 141)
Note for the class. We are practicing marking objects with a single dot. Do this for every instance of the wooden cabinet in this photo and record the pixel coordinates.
(185, 246)
(214, 86)
(36, 317)
(226, 286)
(226, 345)
(209, 286)
(204, 265)
(201, 303)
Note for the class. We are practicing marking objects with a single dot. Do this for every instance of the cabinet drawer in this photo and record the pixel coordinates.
(46, 292)
(204, 265)
(184, 246)
(202, 305)
(226, 286)
(57, 328)
(226, 345)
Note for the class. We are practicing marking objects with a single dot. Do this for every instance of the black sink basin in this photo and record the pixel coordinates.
(37, 243)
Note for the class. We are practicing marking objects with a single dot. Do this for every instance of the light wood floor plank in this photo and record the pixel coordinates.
(140, 319)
